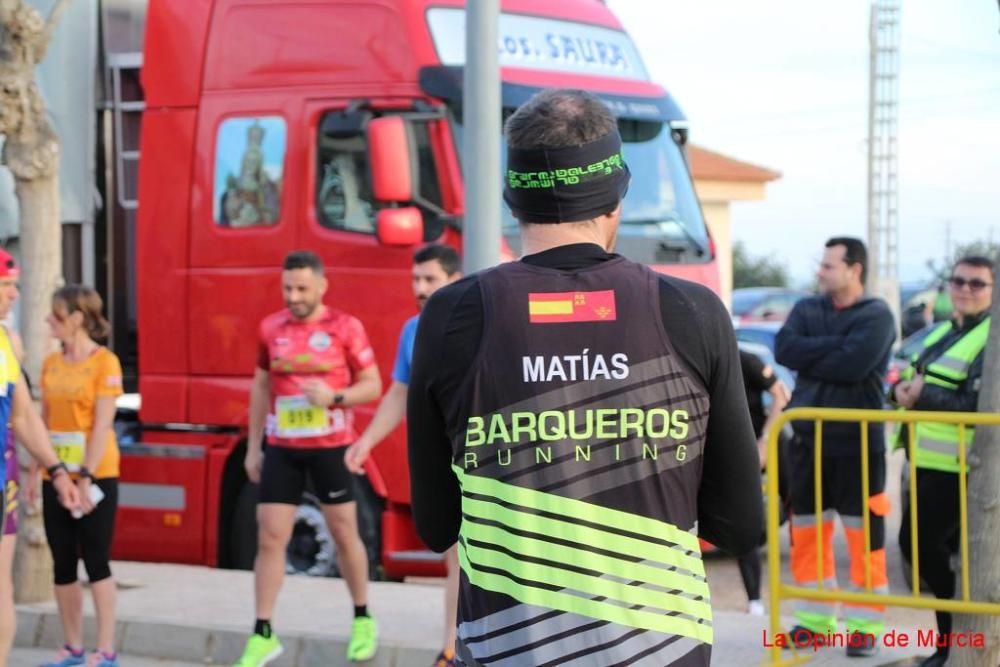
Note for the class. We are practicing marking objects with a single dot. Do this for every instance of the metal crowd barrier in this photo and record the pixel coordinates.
(780, 590)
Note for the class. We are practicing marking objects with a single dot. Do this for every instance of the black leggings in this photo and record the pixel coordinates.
(750, 573)
(88, 537)
(938, 525)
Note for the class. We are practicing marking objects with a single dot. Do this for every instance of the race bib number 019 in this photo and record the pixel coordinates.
(69, 446)
(298, 418)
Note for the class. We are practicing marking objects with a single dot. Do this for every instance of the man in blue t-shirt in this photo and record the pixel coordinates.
(434, 266)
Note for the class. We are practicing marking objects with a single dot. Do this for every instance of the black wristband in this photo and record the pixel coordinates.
(338, 398)
(53, 470)
(85, 472)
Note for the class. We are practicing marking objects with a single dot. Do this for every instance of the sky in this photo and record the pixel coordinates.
(784, 84)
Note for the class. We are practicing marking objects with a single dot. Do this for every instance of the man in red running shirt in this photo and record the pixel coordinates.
(314, 363)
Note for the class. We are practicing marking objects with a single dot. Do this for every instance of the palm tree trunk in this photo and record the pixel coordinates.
(41, 260)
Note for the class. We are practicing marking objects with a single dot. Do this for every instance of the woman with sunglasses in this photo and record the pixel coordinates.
(944, 376)
(79, 387)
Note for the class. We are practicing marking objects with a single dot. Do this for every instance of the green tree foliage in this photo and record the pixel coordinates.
(756, 271)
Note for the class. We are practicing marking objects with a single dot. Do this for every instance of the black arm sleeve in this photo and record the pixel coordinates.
(730, 507)
(435, 495)
(755, 373)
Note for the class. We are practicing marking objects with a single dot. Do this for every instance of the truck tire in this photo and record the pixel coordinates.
(311, 550)
(243, 532)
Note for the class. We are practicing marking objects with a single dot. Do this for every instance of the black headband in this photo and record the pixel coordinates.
(548, 185)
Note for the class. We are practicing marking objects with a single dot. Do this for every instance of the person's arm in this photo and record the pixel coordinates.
(963, 399)
(17, 345)
(794, 347)
(390, 412)
(30, 431)
(779, 399)
(260, 405)
(107, 388)
(730, 508)
(367, 383)
(859, 353)
(104, 420)
(435, 495)
(366, 387)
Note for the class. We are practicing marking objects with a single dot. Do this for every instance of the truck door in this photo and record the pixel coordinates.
(368, 279)
(243, 222)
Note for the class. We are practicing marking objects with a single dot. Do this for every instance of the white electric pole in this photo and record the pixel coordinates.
(883, 162)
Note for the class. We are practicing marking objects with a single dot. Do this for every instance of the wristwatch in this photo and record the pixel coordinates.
(338, 398)
(54, 470)
(85, 472)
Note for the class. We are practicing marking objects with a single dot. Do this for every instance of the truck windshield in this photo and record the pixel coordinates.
(661, 218)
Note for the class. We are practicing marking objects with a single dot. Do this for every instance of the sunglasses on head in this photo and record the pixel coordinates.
(975, 284)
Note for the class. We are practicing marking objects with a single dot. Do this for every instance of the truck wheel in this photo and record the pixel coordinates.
(311, 549)
(243, 536)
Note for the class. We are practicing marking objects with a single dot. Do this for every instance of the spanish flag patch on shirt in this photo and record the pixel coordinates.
(551, 307)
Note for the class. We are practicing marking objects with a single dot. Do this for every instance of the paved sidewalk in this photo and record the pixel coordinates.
(201, 615)
(32, 657)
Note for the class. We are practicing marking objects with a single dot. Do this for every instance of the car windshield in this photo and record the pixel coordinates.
(661, 218)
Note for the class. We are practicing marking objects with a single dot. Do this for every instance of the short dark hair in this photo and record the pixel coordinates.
(304, 259)
(855, 252)
(980, 262)
(445, 255)
(558, 118)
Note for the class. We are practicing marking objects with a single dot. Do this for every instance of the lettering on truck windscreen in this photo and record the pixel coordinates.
(533, 42)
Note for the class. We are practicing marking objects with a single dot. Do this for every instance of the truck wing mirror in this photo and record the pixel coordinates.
(391, 156)
(400, 226)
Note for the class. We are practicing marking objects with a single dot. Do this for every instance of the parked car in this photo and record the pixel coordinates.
(764, 304)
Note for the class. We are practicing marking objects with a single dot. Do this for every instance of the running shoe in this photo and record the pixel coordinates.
(260, 651)
(102, 659)
(67, 657)
(364, 639)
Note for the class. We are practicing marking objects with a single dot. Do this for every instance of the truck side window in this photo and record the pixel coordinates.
(344, 192)
(430, 188)
(249, 161)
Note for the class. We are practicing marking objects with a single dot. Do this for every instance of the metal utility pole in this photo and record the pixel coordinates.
(481, 153)
(883, 121)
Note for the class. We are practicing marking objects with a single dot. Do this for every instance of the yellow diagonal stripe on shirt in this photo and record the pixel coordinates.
(550, 307)
(647, 620)
(584, 535)
(578, 510)
(591, 586)
(606, 565)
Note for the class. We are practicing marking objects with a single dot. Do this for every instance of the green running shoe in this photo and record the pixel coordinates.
(259, 651)
(364, 639)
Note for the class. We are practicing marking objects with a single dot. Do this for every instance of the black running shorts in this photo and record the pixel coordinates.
(283, 477)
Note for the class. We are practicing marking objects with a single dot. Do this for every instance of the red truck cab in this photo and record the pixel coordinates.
(273, 125)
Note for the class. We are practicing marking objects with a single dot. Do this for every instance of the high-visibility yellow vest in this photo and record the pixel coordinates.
(937, 444)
